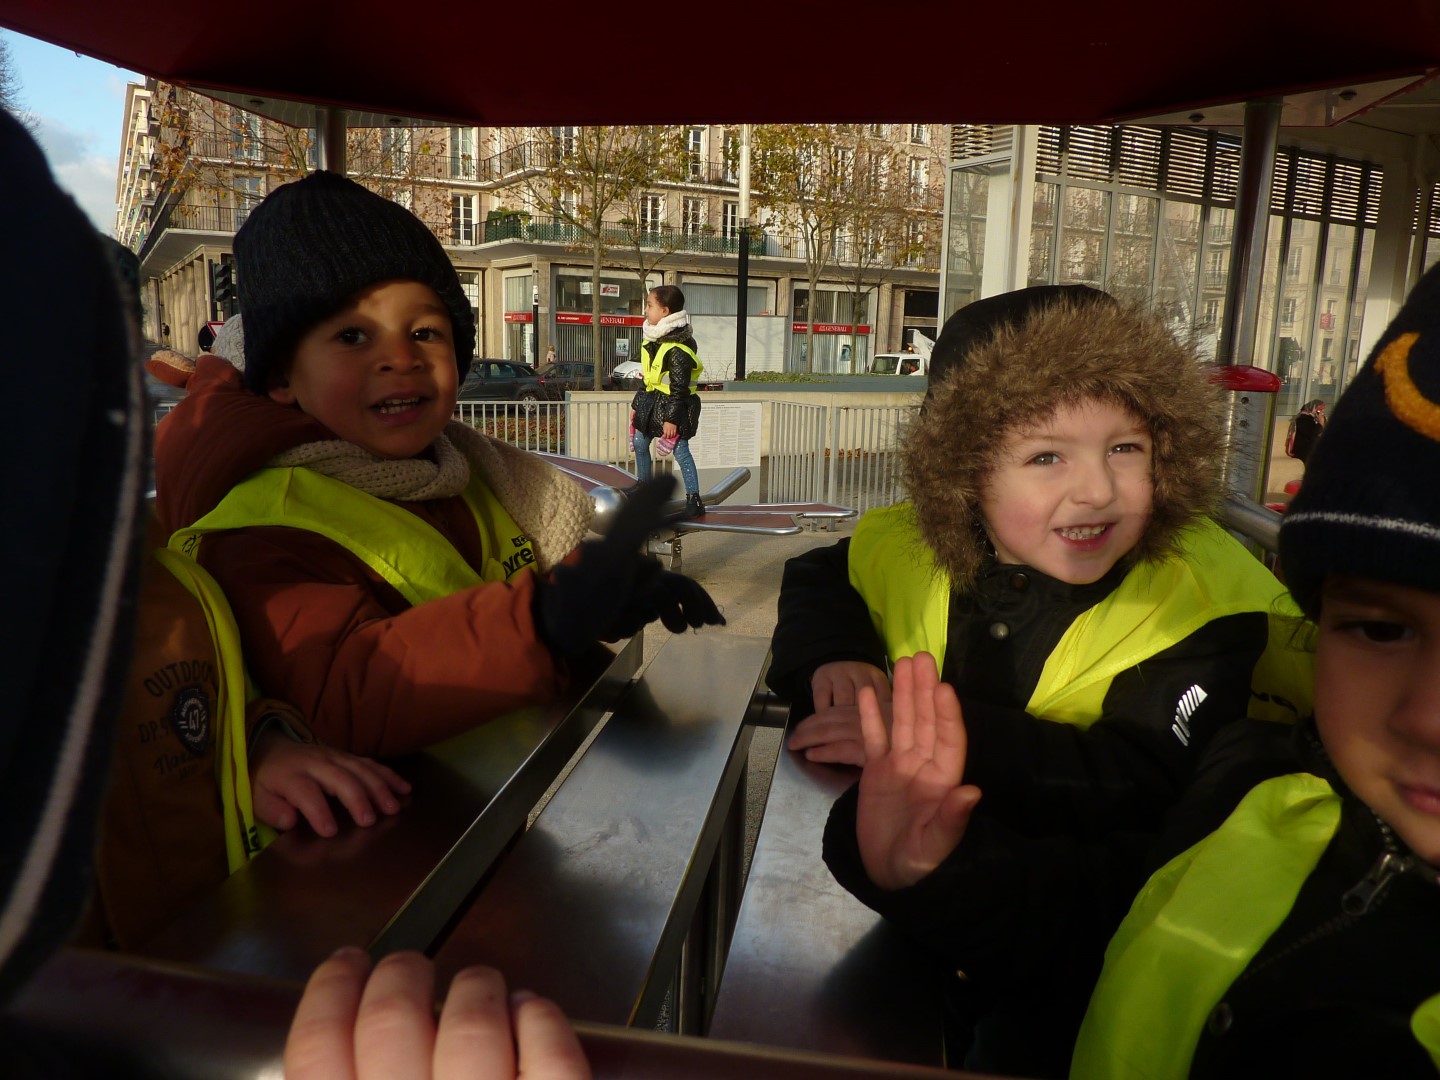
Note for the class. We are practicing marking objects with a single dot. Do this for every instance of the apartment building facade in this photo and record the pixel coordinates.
(192, 169)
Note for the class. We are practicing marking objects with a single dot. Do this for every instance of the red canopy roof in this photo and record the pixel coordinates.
(1056, 61)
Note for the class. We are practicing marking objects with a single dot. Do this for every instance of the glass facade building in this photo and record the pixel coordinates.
(1148, 215)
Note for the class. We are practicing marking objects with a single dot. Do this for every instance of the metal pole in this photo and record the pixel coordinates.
(1252, 217)
(742, 308)
(742, 311)
(535, 326)
(331, 127)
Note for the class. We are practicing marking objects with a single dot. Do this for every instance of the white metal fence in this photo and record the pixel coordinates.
(841, 454)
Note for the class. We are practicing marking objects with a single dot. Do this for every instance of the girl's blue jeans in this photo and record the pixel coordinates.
(683, 458)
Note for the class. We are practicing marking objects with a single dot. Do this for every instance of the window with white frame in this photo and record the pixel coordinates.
(918, 134)
(730, 220)
(462, 219)
(1294, 263)
(568, 205)
(1212, 312)
(693, 215)
(470, 286)
(565, 140)
(919, 177)
(245, 143)
(652, 213)
(462, 153)
(732, 157)
(914, 243)
(1287, 310)
(249, 193)
(877, 131)
(695, 152)
(879, 173)
(395, 149)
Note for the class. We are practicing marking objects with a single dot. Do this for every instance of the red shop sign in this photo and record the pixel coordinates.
(831, 328)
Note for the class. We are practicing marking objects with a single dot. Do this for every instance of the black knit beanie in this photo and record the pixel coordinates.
(978, 322)
(1369, 504)
(311, 246)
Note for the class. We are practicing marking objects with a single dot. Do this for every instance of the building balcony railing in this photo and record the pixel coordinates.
(666, 237)
(539, 154)
(211, 219)
(765, 244)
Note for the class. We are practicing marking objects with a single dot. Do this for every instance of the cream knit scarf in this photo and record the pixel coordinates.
(551, 508)
(674, 321)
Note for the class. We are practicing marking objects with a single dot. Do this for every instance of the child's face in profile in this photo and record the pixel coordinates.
(1377, 701)
(380, 374)
(654, 310)
(1072, 493)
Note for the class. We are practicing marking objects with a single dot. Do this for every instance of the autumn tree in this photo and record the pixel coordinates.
(892, 209)
(851, 198)
(592, 181)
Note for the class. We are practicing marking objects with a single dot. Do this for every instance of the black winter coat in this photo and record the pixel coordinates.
(1039, 776)
(681, 407)
(1027, 919)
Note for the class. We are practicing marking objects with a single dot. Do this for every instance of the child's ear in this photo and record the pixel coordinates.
(282, 393)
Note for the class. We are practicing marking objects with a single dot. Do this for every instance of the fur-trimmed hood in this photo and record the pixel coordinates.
(1059, 355)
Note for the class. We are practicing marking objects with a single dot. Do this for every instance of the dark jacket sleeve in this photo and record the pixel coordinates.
(1134, 761)
(1027, 918)
(820, 618)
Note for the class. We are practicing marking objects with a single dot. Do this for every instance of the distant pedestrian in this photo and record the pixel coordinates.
(667, 408)
(550, 356)
(1305, 429)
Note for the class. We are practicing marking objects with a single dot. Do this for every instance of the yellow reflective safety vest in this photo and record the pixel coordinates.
(1188, 936)
(244, 835)
(404, 550)
(1155, 606)
(654, 365)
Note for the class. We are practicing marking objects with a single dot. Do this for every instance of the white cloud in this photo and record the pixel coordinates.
(87, 175)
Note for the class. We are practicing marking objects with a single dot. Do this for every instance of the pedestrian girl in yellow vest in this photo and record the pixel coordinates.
(1058, 558)
(666, 410)
(395, 575)
(1291, 925)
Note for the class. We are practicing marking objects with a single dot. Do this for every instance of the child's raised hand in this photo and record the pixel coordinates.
(913, 809)
(290, 779)
(832, 733)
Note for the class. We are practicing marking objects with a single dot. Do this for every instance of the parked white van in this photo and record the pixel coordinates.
(906, 363)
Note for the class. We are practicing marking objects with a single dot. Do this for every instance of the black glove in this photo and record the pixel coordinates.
(612, 590)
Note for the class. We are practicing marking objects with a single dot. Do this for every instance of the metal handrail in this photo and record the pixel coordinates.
(1251, 520)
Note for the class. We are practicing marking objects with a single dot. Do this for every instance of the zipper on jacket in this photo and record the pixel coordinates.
(1357, 900)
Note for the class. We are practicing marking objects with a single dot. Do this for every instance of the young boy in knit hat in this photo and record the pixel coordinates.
(397, 576)
(1293, 924)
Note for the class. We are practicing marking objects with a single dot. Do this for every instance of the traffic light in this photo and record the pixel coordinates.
(222, 287)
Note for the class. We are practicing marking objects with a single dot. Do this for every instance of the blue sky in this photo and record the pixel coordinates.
(79, 104)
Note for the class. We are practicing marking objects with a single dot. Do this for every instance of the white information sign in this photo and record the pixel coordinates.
(729, 435)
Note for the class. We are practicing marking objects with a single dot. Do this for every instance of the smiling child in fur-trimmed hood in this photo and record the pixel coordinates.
(1058, 558)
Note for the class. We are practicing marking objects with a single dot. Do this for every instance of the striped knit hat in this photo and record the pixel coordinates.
(1370, 502)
